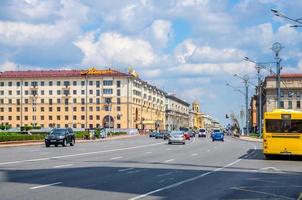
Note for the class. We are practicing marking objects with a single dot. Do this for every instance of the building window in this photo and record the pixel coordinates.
(42, 117)
(98, 108)
(298, 104)
(58, 83)
(25, 109)
(1, 84)
(50, 117)
(82, 125)
(74, 92)
(82, 83)
(74, 109)
(83, 92)
(118, 108)
(82, 101)
(118, 117)
(97, 92)
(107, 83)
(82, 108)
(50, 83)
(66, 102)
(66, 117)
(97, 84)
(18, 118)
(18, 109)
(10, 92)
(50, 109)
(66, 83)
(98, 101)
(10, 84)
(290, 105)
(42, 109)
(50, 101)
(42, 83)
(90, 83)
(107, 91)
(42, 92)
(298, 93)
(90, 117)
(90, 100)
(118, 84)
(90, 91)
(25, 83)
(58, 101)
(74, 117)
(18, 84)
(290, 93)
(82, 117)
(118, 92)
(118, 125)
(42, 101)
(50, 92)
(74, 83)
(66, 109)
(118, 100)
(10, 109)
(90, 108)
(74, 100)
(58, 109)
(58, 117)
(25, 118)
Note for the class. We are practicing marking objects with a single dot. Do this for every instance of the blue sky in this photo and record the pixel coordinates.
(188, 47)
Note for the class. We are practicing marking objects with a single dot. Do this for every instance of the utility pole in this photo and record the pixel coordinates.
(277, 48)
(246, 85)
(260, 101)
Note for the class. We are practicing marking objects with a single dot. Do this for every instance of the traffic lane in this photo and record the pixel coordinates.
(36, 152)
(60, 175)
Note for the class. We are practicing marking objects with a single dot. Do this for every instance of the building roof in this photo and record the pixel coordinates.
(60, 73)
(177, 99)
(286, 76)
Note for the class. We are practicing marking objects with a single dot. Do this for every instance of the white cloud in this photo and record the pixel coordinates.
(160, 32)
(8, 66)
(114, 48)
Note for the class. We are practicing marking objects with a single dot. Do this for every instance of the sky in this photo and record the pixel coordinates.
(190, 48)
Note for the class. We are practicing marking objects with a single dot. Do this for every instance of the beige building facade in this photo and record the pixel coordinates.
(290, 96)
(177, 113)
(79, 99)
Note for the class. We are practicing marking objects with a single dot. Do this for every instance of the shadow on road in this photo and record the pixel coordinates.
(123, 183)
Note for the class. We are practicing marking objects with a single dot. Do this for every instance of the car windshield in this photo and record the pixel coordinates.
(177, 133)
(216, 130)
(57, 132)
(202, 130)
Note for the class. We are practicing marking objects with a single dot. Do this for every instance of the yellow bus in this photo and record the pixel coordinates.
(282, 134)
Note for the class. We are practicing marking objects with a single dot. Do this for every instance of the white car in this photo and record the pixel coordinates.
(177, 137)
(202, 133)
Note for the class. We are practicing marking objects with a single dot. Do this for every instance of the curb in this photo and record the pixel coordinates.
(249, 139)
(34, 143)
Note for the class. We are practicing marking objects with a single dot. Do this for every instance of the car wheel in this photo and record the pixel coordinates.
(56, 145)
(64, 143)
(183, 143)
(169, 143)
(47, 145)
(213, 140)
(222, 140)
(72, 142)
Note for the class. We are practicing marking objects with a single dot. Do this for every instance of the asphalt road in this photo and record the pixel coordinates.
(146, 168)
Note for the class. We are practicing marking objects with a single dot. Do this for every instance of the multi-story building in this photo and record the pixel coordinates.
(291, 89)
(253, 113)
(177, 113)
(196, 119)
(80, 99)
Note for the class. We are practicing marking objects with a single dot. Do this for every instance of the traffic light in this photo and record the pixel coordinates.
(226, 116)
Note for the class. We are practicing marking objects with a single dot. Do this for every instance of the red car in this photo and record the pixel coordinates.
(187, 136)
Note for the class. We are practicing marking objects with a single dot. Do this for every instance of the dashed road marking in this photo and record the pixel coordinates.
(43, 186)
(115, 158)
(170, 160)
(60, 166)
(127, 169)
(194, 154)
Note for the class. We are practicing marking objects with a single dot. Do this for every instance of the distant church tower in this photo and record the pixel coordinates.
(196, 106)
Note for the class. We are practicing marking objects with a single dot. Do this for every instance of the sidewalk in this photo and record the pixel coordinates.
(31, 142)
(250, 139)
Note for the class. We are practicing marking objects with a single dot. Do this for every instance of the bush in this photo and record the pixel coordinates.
(4, 137)
(81, 134)
(117, 133)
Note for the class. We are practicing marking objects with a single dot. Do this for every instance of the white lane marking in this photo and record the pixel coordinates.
(135, 171)
(259, 192)
(60, 166)
(43, 186)
(187, 180)
(81, 154)
(194, 154)
(170, 160)
(165, 174)
(148, 152)
(115, 158)
(127, 169)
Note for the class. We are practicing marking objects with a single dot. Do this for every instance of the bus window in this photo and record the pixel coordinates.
(283, 126)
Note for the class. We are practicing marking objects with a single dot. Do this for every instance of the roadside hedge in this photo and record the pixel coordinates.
(5, 137)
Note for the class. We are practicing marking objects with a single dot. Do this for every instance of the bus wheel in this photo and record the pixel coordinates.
(268, 156)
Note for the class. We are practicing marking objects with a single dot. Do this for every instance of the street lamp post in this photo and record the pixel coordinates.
(246, 85)
(298, 22)
(241, 112)
(277, 48)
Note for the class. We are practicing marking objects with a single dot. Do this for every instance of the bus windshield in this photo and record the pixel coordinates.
(283, 126)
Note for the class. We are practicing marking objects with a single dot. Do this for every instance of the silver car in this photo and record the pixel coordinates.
(177, 137)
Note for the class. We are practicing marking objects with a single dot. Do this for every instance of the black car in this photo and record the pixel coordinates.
(61, 136)
(166, 135)
(152, 134)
